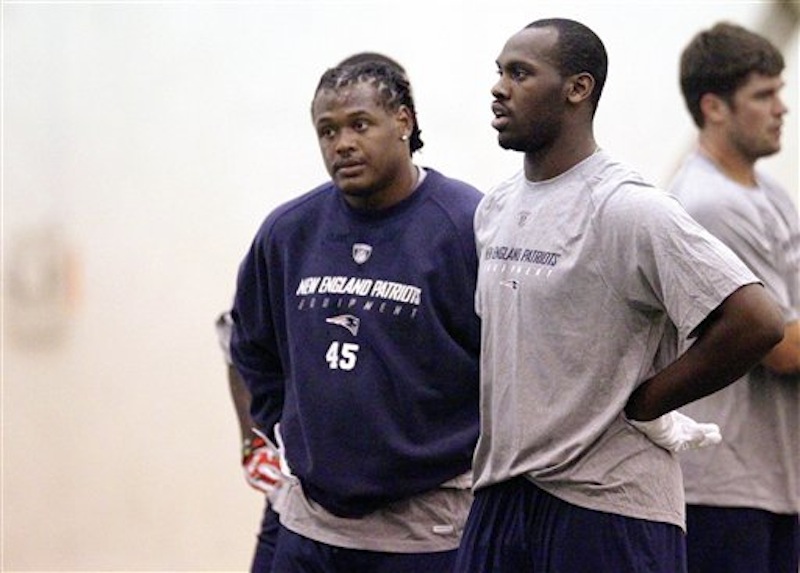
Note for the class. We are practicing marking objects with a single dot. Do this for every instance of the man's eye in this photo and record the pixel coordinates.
(518, 74)
(360, 125)
(326, 132)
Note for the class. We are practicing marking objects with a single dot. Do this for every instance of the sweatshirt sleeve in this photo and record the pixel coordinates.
(254, 346)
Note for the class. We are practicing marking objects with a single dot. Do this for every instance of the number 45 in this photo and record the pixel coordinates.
(342, 355)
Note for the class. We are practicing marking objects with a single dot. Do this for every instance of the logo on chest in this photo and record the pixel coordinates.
(361, 252)
(347, 321)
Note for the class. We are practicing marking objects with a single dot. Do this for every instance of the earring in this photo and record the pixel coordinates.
(404, 137)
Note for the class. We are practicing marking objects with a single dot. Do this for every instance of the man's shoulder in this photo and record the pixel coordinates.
(618, 188)
(701, 187)
(454, 197)
(303, 207)
(502, 192)
(453, 187)
(776, 192)
(308, 201)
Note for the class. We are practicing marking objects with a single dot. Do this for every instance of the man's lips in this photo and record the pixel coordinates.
(348, 168)
(500, 116)
(499, 110)
(500, 123)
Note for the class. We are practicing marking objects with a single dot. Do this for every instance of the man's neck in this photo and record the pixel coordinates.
(732, 164)
(557, 160)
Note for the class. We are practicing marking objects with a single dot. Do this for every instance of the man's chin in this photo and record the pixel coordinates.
(351, 185)
(508, 143)
(353, 189)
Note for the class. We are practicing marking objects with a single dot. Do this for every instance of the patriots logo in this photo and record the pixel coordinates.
(361, 252)
(347, 321)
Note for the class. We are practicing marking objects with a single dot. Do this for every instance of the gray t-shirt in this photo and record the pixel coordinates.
(586, 281)
(426, 523)
(757, 464)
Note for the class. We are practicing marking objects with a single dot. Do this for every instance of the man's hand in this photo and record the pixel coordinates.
(286, 471)
(677, 432)
(261, 464)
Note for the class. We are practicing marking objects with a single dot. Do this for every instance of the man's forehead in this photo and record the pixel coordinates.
(361, 93)
(355, 99)
(530, 44)
(756, 78)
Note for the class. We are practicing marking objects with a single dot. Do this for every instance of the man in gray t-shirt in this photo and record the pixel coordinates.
(588, 277)
(743, 495)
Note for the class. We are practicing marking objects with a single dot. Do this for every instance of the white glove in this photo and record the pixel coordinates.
(677, 432)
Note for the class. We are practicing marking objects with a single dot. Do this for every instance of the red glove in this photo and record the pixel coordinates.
(261, 465)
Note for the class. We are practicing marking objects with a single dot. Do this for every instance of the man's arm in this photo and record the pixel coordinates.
(784, 358)
(241, 403)
(260, 460)
(745, 239)
(255, 351)
(239, 392)
(732, 339)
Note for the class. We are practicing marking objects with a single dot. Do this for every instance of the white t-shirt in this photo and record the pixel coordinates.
(585, 283)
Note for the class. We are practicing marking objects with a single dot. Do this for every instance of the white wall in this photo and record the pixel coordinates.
(142, 145)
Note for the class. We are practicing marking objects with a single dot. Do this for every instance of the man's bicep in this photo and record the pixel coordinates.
(784, 358)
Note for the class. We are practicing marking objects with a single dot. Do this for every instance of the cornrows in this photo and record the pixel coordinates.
(390, 82)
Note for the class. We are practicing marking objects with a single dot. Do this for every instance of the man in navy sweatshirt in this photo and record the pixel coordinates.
(356, 334)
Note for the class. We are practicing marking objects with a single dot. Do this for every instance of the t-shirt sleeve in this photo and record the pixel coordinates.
(665, 261)
(746, 235)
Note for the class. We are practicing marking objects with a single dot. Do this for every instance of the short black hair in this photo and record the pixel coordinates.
(389, 78)
(579, 50)
(720, 60)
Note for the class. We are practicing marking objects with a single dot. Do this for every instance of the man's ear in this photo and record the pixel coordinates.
(405, 121)
(579, 87)
(714, 108)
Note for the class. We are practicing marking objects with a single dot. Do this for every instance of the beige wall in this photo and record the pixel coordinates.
(143, 144)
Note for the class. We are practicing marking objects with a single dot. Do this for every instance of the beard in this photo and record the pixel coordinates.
(533, 138)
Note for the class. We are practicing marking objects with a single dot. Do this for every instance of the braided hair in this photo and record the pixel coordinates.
(388, 78)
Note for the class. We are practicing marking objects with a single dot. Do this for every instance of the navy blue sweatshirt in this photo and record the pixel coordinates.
(357, 332)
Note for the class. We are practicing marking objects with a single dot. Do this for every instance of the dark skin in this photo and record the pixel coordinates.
(539, 112)
(549, 117)
(732, 340)
(241, 402)
(365, 146)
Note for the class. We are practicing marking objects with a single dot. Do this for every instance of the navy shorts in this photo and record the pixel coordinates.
(741, 540)
(516, 527)
(297, 554)
(265, 546)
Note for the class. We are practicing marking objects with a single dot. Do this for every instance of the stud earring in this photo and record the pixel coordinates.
(404, 137)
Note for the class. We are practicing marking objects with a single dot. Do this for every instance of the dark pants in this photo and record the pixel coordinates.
(515, 527)
(741, 540)
(267, 538)
(298, 554)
